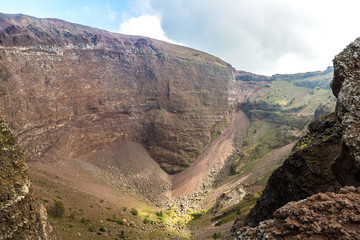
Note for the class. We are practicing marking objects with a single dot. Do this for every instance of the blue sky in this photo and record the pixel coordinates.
(102, 14)
(262, 36)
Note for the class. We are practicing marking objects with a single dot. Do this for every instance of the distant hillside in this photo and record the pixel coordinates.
(281, 109)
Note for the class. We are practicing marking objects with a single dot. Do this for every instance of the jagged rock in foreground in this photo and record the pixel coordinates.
(346, 87)
(321, 216)
(305, 172)
(20, 216)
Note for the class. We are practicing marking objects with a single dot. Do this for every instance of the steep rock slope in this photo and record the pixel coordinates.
(331, 139)
(68, 89)
(346, 86)
(20, 216)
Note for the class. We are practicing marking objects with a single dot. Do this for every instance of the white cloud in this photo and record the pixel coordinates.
(263, 36)
(144, 25)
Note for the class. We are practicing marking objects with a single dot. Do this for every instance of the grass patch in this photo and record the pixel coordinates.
(262, 137)
(134, 211)
(238, 211)
(217, 235)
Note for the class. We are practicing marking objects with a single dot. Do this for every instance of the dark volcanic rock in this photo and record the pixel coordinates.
(68, 89)
(305, 172)
(20, 216)
(321, 216)
(346, 86)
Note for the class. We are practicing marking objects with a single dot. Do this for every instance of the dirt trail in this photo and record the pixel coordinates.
(186, 182)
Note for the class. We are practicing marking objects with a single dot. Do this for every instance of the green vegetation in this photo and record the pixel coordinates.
(262, 137)
(305, 141)
(197, 215)
(122, 235)
(84, 220)
(91, 229)
(217, 235)
(115, 219)
(134, 212)
(159, 214)
(58, 210)
(218, 129)
(238, 211)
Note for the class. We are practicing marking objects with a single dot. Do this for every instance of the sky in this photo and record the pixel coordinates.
(260, 36)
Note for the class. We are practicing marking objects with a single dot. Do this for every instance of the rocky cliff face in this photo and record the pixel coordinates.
(20, 216)
(68, 89)
(346, 87)
(328, 156)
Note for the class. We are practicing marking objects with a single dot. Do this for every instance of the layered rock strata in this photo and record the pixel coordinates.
(68, 89)
(20, 216)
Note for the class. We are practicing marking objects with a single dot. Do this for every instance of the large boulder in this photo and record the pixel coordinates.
(346, 86)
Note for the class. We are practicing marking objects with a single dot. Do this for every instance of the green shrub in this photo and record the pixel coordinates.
(134, 212)
(84, 220)
(91, 229)
(159, 214)
(217, 235)
(122, 235)
(59, 209)
(102, 229)
(196, 215)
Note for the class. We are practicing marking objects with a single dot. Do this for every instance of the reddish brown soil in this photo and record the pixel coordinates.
(73, 178)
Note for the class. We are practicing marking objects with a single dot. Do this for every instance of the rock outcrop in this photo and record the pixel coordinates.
(20, 216)
(321, 216)
(328, 156)
(68, 89)
(346, 87)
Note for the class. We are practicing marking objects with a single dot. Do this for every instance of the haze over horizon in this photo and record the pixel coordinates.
(264, 37)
